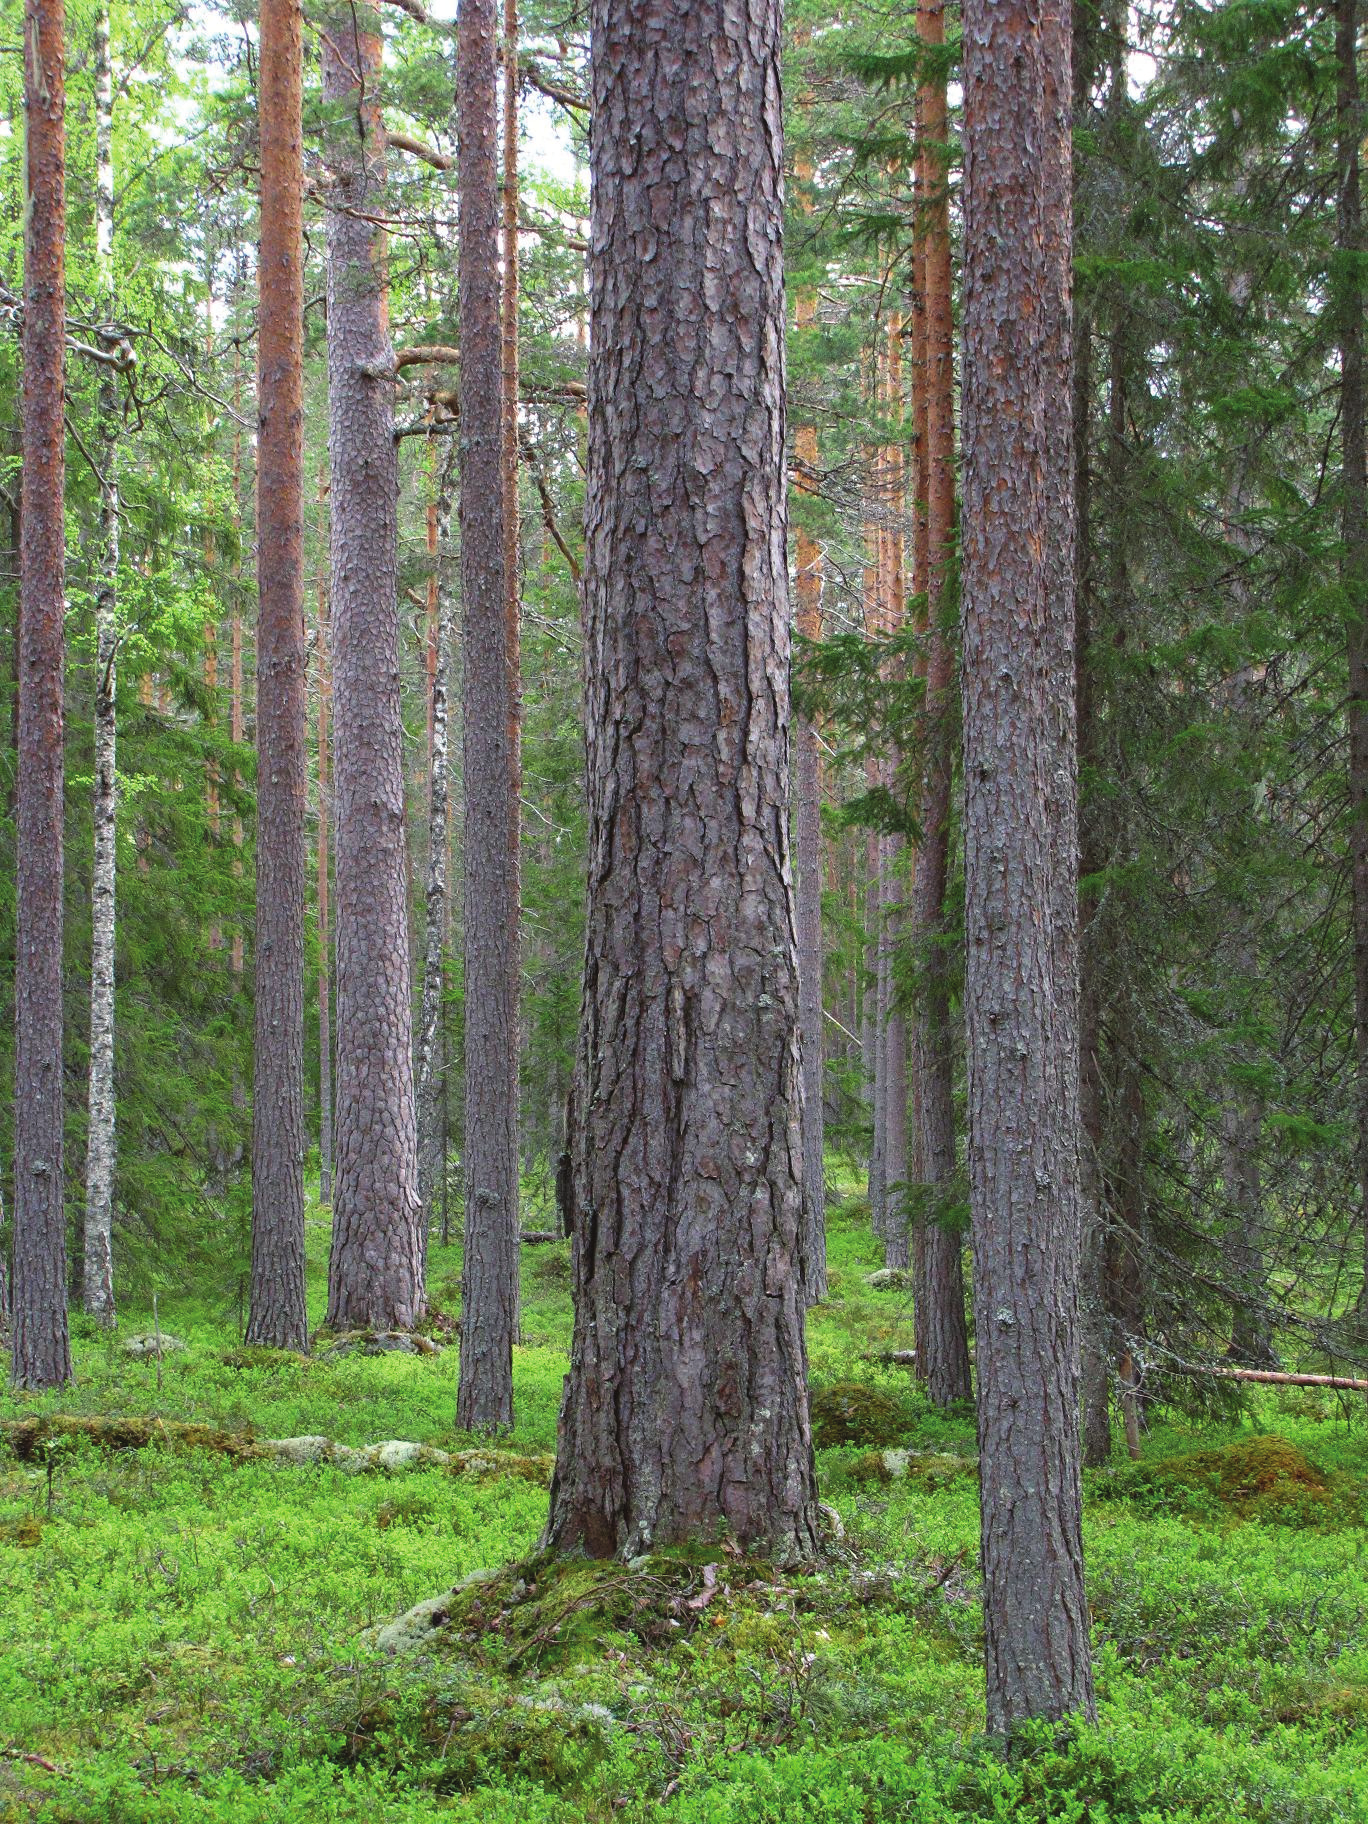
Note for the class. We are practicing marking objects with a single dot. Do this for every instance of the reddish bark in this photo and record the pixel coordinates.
(942, 1338)
(277, 1308)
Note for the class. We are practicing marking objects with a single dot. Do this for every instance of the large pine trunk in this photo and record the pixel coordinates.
(97, 1262)
(1021, 989)
(278, 1315)
(41, 1350)
(375, 1274)
(489, 1289)
(685, 1409)
(942, 1337)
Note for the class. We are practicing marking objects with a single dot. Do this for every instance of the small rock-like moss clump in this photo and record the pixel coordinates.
(261, 1355)
(848, 1412)
(933, 1467)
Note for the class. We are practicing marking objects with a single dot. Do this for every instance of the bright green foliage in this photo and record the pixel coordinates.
(183, 1633)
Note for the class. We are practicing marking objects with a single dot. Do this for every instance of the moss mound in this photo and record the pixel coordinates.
(261, 1355)
(933, 1468)
(1258, 1478)
(30, 1439)
(848, 1412)
(550, 1611)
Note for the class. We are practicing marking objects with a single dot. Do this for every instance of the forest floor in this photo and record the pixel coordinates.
(183, 1626)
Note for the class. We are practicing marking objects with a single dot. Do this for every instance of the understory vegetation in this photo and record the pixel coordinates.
(190, 1627)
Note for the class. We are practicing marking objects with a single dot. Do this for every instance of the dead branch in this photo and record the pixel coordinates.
(405, 142)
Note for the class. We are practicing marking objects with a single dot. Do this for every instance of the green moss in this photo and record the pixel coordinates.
(931, 1468)
(31, 1439)
(259, 1355)
(848, 1412)
(552, 1610)
(1260, 1478)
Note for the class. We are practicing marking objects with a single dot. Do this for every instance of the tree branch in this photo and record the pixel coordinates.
(532, 75)
(405, 142)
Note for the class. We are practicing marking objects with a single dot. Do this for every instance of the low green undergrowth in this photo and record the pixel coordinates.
(186, 1635)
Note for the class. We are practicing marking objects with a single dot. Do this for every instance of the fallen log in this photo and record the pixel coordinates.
(1275, 1377)
(536, 1238)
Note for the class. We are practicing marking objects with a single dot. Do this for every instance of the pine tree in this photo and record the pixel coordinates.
(489, 1293)
(41, 1351)
(278, 1315)
(375, 1274)
(1021, 857)
(687, 1168)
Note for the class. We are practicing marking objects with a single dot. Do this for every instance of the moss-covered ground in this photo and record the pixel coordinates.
(183, 1623)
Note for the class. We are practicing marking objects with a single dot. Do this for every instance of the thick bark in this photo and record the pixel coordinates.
(41, 1350)
(277, 1309)
(97, 1263)
(942, 1338)
(685, 1409)
(1021, 990)
(375, 1273)
(808, 835)
(325, 1053)
(1354, 530)
(432, 1087)
(489, 1296)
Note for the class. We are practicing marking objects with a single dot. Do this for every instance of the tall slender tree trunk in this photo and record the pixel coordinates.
(41, 1350)
(892, 850)
(808, 833)
(1092, 1303)
(277, 1313)
(236, 719)
(1354, 530)
(375, 1275)
(1021, 863)
(489, 1297)
(942, 1339)
(97, 1262)
(874, 1029)
(431, 1060)
(685, 1408)
(325, 1055)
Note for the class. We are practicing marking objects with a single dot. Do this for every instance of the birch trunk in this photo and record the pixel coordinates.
(98, 1248)
(432, 1089)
